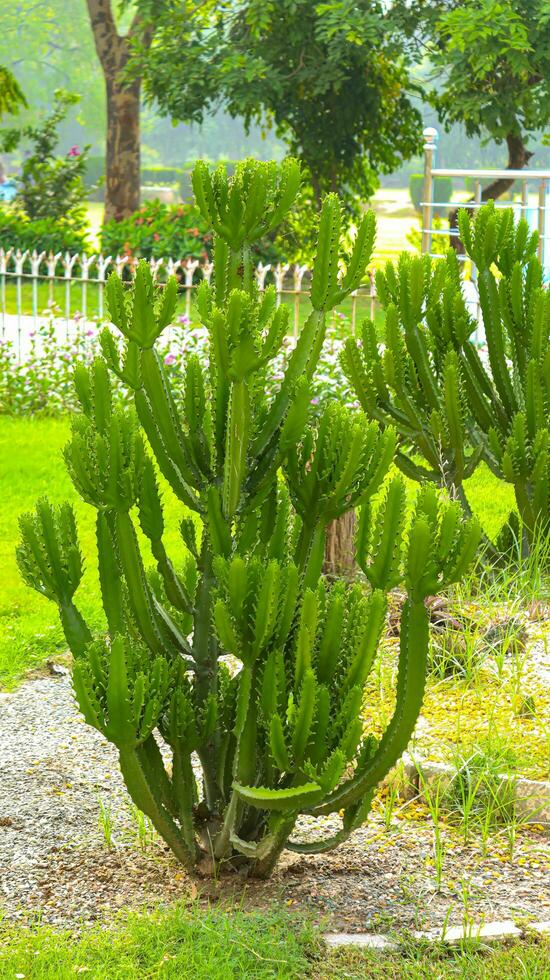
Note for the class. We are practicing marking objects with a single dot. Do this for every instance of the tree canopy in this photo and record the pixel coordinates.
(330, 77)
(492, 58)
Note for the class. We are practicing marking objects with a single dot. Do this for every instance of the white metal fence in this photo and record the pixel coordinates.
(531, 201)
(68, 291)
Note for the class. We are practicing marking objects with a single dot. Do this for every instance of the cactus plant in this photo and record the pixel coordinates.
(238, 654)
(451, 408)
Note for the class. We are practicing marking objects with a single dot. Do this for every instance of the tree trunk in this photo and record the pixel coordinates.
(518, 158)
(122, 164)
(340, 547)
(122, 167)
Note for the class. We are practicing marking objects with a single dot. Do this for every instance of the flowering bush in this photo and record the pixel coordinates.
(43, 382)
(157, 230)
(50, 186)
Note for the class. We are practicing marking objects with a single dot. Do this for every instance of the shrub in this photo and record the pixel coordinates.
(240, 655)
(157, 175)
(43, 384)
(157, 230)
(50, 186)
(442, 193)
(18, 231)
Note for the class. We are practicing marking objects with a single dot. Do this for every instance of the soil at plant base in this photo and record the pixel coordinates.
(57, 776)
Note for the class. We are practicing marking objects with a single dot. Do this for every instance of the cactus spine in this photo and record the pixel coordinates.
(277, 732)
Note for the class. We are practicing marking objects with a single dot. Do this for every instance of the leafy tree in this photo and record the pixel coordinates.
(331, 78)
(493, 60)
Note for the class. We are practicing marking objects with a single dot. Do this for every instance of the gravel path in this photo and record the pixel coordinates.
(55, 770)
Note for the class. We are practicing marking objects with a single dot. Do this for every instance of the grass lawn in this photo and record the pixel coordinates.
(32, 465)
(190, 943)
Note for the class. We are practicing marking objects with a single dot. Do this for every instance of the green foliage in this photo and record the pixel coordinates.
(331, 79)
(11, 96)
(18, 231)
(157, 230)
(493, 59)
(450, 407)
(277, 730)
(50, 187)
(442, 192)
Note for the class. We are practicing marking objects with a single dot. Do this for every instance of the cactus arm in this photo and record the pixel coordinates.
(75, 628)
(166, 416)
(301, 363)
(138, 590)
(488, 297)
(413, 470)
(410, 693)
(165, 459)
(133, 772)
(205, 655)
(109, 574)
(237, 437)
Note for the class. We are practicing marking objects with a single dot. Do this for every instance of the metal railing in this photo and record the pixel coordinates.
(68, 291)
(535, 207)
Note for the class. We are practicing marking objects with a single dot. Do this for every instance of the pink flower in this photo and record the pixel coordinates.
(185, 320)
(89, 333)
(170, 359)
(156, 236)
(74, 152)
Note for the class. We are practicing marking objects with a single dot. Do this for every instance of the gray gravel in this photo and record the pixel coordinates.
(54, 770)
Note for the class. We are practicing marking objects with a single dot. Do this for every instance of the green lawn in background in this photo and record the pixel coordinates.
(31, 465)
(192, 943)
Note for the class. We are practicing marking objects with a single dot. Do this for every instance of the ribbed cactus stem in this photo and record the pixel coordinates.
(142, 795)
(76, 631)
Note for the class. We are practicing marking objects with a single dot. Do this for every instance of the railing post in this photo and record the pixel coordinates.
(430, 142)
(542, 220)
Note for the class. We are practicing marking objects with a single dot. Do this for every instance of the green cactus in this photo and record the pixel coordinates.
(451, 409)
(238, 653)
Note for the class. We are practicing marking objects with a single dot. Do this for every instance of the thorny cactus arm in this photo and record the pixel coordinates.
(50, 561)
(448, 405)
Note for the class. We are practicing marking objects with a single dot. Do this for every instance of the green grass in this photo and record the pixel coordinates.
(32, 465)
(527, 960)
(181, 943)
(191, 943)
